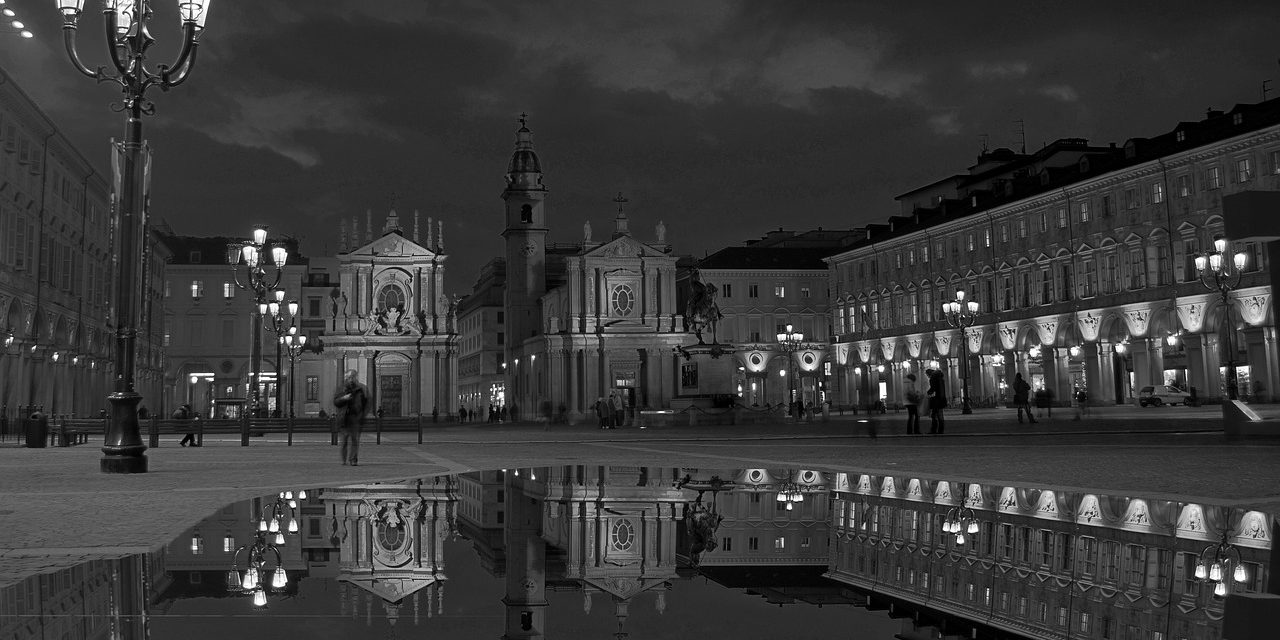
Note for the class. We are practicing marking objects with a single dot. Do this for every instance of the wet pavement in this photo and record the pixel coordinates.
(60, 510)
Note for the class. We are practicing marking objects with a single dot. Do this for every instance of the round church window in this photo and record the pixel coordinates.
(623, 300)
(756, 359)
(390, 537)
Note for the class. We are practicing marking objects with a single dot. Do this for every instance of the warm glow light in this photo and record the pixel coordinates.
(1215, 572)
(293, 525)
(973, 526)
(1220, 244)
(1201, 263)
(250, 579)
(1201, 571)
(1220, 589)
(279, 538)
(302, 493)
(960, 538)
(1121, 347)
(259, 598)
(280, 579)
(1240, 575)
(259, 234)
(1239, 261)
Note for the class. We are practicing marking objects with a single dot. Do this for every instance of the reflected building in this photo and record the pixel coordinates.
(1041, 564)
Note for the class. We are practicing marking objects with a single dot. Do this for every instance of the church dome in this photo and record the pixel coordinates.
(524, 171)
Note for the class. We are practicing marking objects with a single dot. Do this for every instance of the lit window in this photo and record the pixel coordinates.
(1084, 211)
(1184, 186)
(804, 292)
(1062, 217)
(197, 289)
(779, 290)
(1157, 192)
(1275, 162)
(779, 544)
(228, 290)
(1213, 178)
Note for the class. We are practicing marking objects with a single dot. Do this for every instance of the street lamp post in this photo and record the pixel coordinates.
(253, 253)
(1217, 275)
(275, 321)
(961, 315)
(127, 42)
(294, 345)
(791, 341)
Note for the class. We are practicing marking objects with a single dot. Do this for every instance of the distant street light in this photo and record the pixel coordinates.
(1217, 275)
(962, 315)
(274, 320)
(790, 342)
(253, 253)
(127, 42)
(294, 345)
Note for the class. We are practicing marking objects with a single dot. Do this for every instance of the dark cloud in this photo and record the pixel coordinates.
(721, 118)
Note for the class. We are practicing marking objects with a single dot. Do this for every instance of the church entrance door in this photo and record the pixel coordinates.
(390, 392)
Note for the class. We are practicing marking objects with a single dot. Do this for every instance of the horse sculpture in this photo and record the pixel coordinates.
(702, 311)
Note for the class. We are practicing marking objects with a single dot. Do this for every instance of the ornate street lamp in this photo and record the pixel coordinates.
(294, 344)
(1217, 275)
(253, 254)
(128, 39)
(275, 321)
(961, 315)
(1218, 561)
(790, 342)
(268, 537)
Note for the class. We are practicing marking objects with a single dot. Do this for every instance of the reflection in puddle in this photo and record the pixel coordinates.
(644, 551)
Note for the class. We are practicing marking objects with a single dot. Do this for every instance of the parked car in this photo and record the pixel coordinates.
(1163, 394)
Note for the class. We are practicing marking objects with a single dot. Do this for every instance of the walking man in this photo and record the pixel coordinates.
(911, 400)
(352, 401)
(618, 416)
(1022, 398)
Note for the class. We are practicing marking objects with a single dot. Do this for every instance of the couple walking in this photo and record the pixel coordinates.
(935, 398)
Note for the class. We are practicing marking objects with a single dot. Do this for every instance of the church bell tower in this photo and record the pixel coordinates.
(526, 237)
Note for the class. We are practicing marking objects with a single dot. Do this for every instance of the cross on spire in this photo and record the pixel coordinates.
(621, 202)
(394, 199)
(524, 117)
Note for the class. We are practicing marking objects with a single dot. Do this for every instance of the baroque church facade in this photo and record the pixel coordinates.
(585, 320)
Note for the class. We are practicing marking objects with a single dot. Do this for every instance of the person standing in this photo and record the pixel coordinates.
(1022, 397)
(616, 403)
(911, 400)
(184, 413)
(352, 401)
(937, 401)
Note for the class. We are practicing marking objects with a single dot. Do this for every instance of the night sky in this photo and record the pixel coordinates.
(723, 119)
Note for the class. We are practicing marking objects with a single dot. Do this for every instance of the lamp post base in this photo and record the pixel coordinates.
(124, 448)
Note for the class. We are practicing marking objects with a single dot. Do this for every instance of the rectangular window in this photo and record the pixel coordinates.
(1190, 247)
(753, 544)
(1044, 222)
(897, 259)
(502, 338)
(228, 290)
(313, 307)
(1108, 206)
(1109, 561)
(1066, 282)
(197, 289)
(1111, 274)
(1244, 169)
(168, 332)
(779, 290)
(1084, 211)
(1062, 217)
(1157, 192)
(1022, 227)
(1184, 186)
(1164, 565)
(1046, 287)
(726, 544)
(1088, 556)
(1131, 199)
(1024, 545)
(805, 542)
(1213, 178)
(1046, 548)
(1086, 622)
(804, 292)
(313, 388)
(941, 249)
(1164, 274)
(1137, 269)
(726, 290)
(1004, 233)
(779, 543)
(1006, 541)
(924, 253)
(911, 256)
(1135, 565)
(753, 291)
(1275, 162)
(970, 244)
(1066, 549)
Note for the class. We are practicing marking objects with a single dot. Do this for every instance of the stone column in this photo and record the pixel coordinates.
(572, 380)
(1097, 363)
(1062, 375)
(1141, 349)
(592, 385)
(1255, 344)
(1197, 365)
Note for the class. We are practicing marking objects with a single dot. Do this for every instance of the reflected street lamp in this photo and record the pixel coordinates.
(961, 315)
(128, 39)
(1217, 275)
(267, 539)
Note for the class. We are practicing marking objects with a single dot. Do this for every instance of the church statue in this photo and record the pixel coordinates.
(586, 231)
(701, 524)
(661, 230)
(702, 311)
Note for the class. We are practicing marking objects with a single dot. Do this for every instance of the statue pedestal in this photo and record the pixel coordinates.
(705, 388)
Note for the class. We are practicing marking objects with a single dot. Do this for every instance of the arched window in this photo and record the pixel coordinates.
(526, 213)
(391, 296)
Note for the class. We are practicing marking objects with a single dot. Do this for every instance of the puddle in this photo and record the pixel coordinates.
(648, 552)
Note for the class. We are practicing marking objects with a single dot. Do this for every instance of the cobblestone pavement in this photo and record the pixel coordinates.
(59, 510)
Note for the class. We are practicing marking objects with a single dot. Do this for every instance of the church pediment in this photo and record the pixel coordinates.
(623, 587)
(390, 245)
(391, 589)
(625, 247)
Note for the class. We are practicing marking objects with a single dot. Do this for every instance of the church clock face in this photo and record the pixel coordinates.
(529, 249)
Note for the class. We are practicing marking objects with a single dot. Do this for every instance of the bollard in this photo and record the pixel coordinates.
(419, 425)
(153, 439)
(244, 428)
(333, 431)
(379, 421)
